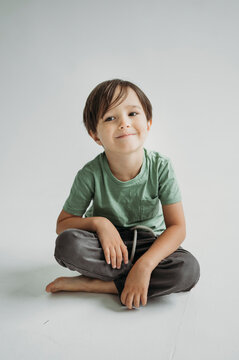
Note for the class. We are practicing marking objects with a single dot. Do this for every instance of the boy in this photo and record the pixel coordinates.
(126, 182)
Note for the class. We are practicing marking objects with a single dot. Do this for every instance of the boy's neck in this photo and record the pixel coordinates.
(125, 166)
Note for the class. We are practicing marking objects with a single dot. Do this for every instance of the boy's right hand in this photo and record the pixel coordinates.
(112, 244)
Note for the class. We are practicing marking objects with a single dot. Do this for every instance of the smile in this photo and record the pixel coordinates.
(124, 136)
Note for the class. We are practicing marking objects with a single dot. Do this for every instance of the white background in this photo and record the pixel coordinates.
(184, 55)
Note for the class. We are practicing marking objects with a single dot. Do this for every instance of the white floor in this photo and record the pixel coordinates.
(184, 56)
(199, 324)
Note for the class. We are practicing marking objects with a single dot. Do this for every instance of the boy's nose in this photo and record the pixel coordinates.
(124, 122)
(122, 126)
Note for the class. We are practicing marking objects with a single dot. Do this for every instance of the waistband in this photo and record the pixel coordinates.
(138, 227)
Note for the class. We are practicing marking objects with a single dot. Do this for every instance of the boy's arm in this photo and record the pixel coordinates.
(169, 240)
(66, 221)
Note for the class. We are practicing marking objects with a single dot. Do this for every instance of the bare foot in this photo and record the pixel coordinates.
(81, 283)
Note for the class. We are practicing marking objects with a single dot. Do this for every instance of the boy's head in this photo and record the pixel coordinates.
(99, 101)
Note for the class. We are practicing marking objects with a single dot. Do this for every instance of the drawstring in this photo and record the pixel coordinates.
(143, 227)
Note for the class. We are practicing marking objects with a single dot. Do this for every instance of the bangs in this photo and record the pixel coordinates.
(106, 103)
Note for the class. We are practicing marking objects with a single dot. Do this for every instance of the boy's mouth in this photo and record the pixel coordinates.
(124, 135)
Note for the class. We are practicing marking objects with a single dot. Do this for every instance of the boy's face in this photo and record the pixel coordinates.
(124, 118)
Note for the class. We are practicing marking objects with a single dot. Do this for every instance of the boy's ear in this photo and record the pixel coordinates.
(95, 137)
(149, 123)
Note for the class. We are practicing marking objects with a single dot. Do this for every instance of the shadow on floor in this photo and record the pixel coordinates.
(31, 283)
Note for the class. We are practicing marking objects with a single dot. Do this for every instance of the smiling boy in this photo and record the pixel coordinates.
(126, 183)
(123, 135)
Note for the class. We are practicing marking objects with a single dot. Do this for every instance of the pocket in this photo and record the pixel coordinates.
(149, 208)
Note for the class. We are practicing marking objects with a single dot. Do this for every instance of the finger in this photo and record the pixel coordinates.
(137, 300)
(125, 253)
(123, 297)
(113, 257)
(129, 300)
(143, 299)
(119, 257)
(107, 255)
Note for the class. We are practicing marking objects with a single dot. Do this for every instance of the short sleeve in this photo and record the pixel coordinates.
(168, 191)
(81, 193)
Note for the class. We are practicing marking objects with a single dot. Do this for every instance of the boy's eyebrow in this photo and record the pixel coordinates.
(134, 106)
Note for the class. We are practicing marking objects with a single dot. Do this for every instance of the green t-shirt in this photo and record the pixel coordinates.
(125, 203)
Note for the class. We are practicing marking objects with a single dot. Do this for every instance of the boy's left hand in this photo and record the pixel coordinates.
(136, 286)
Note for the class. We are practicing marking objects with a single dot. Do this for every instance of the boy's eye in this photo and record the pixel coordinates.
(110, 117)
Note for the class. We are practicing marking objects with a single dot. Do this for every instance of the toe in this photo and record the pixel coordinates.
(47, 288)
(54, 285)
(51, 287)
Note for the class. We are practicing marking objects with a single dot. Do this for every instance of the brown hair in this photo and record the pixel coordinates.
(99, 101)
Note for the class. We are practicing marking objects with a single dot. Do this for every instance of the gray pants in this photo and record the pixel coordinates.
(81, 251)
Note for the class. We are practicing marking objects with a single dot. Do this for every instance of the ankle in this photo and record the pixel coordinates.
(101, 286)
